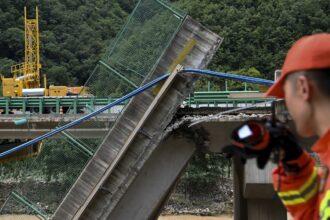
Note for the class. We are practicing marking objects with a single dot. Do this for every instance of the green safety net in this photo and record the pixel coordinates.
(40, 183)
(137, 49)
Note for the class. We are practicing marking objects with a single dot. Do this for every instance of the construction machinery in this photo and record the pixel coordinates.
(25, 80)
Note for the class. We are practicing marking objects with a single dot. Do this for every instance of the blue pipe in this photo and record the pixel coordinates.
(130, 95)
(247, 79)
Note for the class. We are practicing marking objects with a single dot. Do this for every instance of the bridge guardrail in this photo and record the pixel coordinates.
(52, 104)
(78, 104)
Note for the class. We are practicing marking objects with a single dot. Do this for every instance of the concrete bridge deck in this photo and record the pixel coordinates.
(108, 178)
(38, 125)
(96, 127)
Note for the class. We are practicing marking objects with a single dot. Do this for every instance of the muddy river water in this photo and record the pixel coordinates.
(168, 217)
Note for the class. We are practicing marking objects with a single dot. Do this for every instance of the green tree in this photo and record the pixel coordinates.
(74, 35)
(238, 86)
(258, 33)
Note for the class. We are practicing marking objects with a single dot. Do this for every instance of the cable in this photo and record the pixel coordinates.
(130, 95)
(248, 79)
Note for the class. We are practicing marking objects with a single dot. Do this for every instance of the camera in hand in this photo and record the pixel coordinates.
(264, 140)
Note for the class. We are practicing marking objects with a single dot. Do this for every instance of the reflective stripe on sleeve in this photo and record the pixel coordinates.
(303, 194)
(325, 207)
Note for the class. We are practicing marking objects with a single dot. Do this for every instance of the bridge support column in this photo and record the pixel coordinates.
(154, 182)
(254, 196)
(240, 203)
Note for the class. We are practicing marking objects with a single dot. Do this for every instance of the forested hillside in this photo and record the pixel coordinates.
(75, 33)
(258, 33)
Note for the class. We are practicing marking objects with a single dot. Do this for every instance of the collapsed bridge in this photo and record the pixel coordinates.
(136, 164)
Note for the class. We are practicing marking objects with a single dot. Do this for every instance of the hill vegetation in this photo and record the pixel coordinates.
(74, 34)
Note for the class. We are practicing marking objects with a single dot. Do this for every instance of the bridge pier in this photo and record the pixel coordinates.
(254, 196)
(155, 180)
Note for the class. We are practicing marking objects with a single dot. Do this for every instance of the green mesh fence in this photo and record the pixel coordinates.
(21, 207)
(138, 47)
(39, 184)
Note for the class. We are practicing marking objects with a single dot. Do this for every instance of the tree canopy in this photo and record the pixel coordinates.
(75, 33)
(258, 33)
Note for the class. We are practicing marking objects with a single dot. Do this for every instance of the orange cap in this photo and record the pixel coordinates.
(308, 53)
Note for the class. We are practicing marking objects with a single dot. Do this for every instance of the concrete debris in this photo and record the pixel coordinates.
(186, 120)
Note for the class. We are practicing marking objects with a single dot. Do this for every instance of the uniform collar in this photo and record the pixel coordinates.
(321, 144)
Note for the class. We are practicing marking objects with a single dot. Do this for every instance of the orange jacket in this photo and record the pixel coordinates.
(306, 194)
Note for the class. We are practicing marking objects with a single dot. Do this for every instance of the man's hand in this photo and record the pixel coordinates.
(261, 139)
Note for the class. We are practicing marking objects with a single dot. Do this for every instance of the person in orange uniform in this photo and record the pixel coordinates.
(305, 86)
(303, 187)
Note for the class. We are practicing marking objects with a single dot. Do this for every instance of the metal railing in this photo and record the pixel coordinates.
(55, 105)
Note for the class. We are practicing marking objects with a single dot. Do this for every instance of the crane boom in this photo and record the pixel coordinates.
(29, 71)
(25, 80)
(32, 51)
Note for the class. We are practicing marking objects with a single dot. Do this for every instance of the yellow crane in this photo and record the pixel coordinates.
(26, 75)
(25, 80)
